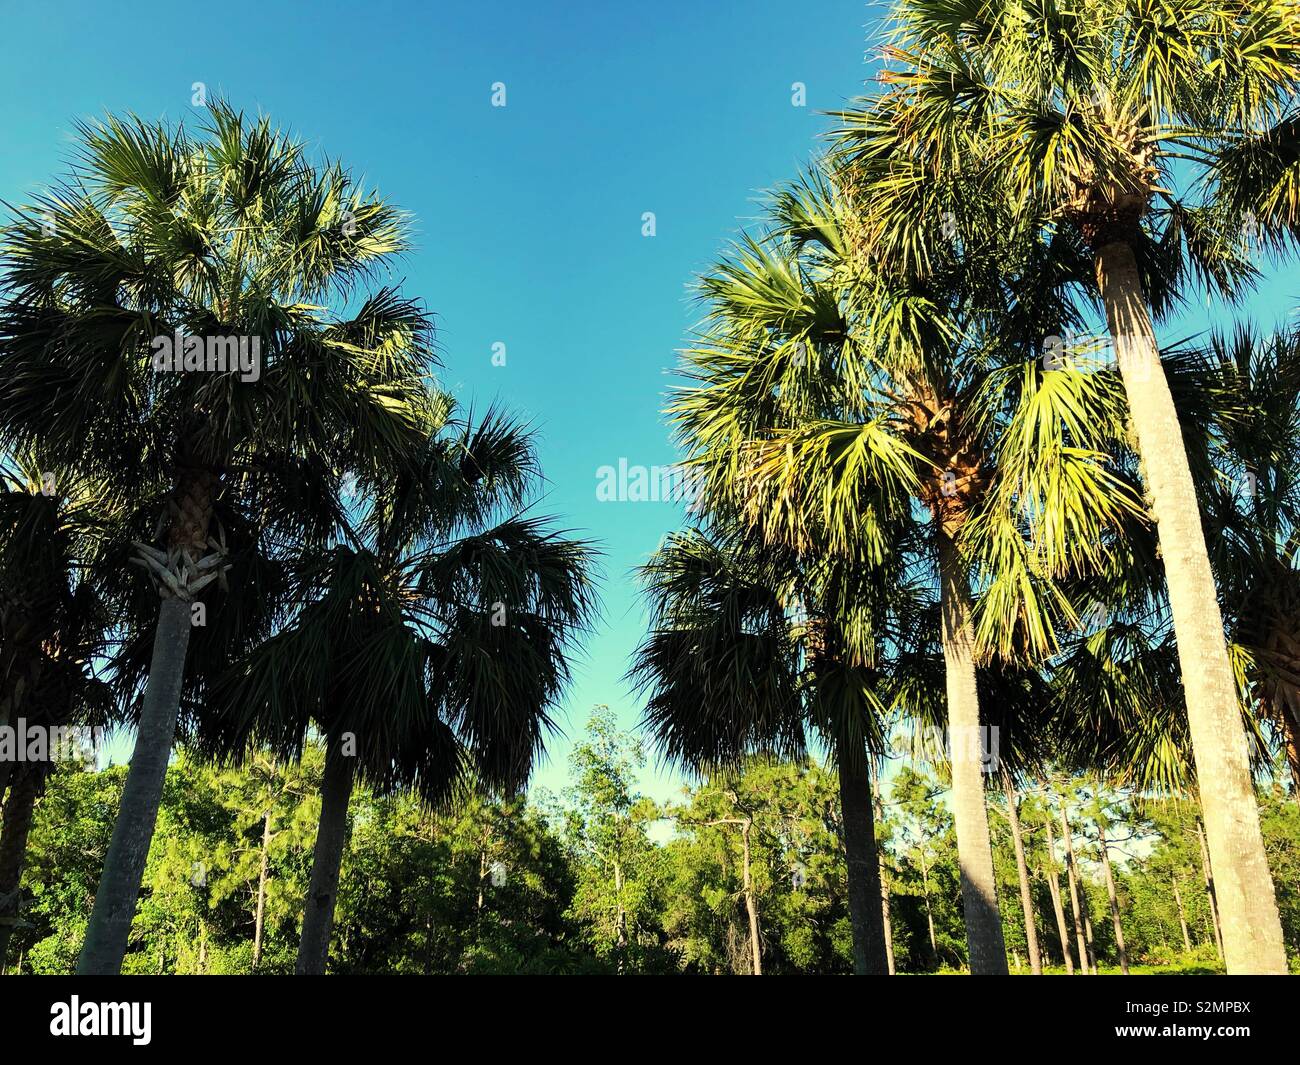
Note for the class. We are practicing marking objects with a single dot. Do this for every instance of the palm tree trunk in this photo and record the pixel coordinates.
(1084, 962)
(869, 956)
(1054, 888)
(1182, 917)
(260, 917)
(751, 905)
(1252, 930)
(119, 884)
(327, 859)
(18, 811)
(988, 954)
(1114, 900)
(1208, 870)
(1026, 896)
(17, 684)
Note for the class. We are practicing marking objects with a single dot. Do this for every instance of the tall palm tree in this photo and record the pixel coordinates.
(1254, 525)
(1141, 139)
(161, 235)
(428, 645)
(54, 623)
(751, 649)
(835, 401)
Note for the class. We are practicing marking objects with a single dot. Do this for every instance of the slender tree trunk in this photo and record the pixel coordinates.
(869, 955)
(1087, 925)
(988, 954)
(1074, 892)
(1026, 896)
(887, 923)
(327, 859)
(1182, 917)
(886, 918)
(1114, 899)
(1208, 870)
(1252, 929)
(18, 811)
(128, 850)
(1054, 888)
(259, 918)
(929, 913)
(620, 919)
(751, 904)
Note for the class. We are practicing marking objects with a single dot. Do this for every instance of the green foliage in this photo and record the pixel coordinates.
(516, 886)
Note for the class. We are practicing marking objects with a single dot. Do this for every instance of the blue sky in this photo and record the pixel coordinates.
(529, 216)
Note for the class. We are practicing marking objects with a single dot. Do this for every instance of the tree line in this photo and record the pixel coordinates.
(741, 874)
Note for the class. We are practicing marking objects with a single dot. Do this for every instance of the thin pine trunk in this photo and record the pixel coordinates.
(1054, 888)
(1074, 892)
(1210, 892)
(887, 923)
(751, 904)
(18, 812)
(327, 860)
(1114, 900)
(1251, 927)
(1182, 917)
(259, 918)
(988, 954)
(119, 883)
(620, 918)
(929, 912)
(869, 954)
(1022, 868)
(886, 918)
(482, 877)
(1087, 927)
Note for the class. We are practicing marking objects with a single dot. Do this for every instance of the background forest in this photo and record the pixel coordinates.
(530, 887)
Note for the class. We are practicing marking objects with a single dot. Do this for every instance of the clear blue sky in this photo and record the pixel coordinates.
(528, 217)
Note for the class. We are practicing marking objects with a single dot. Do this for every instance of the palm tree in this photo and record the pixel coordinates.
(837, 402)
(54, 622)
(752, 648)
(427, 648)
(1141, 141)
(230, 247)
(1253, 522)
